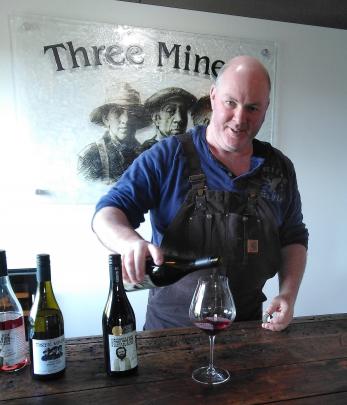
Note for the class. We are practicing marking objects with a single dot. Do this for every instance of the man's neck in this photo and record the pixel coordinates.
(129, 140)
(237, 162)
(159, 135)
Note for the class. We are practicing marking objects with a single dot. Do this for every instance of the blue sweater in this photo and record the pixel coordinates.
(155, 182)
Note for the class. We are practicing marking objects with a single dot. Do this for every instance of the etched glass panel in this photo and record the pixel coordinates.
(81, 88)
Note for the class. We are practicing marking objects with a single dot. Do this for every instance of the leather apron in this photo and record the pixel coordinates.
(238, 227)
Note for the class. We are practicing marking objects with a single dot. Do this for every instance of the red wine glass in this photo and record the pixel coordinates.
(213, 310)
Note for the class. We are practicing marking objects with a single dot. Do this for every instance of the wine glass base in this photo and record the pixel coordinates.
(205, 375)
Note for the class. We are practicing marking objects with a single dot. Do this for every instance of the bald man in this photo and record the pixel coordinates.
(214, 191)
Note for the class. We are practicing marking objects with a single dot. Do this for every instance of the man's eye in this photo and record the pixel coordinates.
(230, 103)
(252, 108)
(134, 114)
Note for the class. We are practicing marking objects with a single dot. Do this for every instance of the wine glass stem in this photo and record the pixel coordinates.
(210, 366)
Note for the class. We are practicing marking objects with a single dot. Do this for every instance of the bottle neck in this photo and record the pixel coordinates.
(115, 269)
(3, 273)
(186, 264)
(4, 280)
(45, 286)
(3, 264)
(43, 265)
(5, 284)
(44, 283)
(116, 281)
(8, 299)
(45, 295)
(44, 275)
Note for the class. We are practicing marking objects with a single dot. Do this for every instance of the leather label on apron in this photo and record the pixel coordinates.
(252, 246)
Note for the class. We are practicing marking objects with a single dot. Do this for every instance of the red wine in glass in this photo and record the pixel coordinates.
(213, 325)
(212, 310)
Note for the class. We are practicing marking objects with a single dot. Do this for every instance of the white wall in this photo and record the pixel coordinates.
(311, 106)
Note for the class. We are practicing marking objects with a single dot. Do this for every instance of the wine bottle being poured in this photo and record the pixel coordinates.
(170, 271)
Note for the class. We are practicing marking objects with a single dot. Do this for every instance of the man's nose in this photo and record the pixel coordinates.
(124, 118)
(239, 115)
(178, 116)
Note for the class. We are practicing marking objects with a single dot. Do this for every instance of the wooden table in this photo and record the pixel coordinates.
(305, 364)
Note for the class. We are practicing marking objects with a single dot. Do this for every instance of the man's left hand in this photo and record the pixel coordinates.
(281, 312)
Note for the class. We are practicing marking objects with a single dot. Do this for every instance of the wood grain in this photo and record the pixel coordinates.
(307, 363)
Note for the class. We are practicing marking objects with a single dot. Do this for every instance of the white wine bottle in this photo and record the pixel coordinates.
(172, 270)
(13, 347)
(46, 327)
(118, 325)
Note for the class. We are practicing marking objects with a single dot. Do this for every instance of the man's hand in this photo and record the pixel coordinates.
(115, 232)
(281, 312)
(289, 276)
(134, 259)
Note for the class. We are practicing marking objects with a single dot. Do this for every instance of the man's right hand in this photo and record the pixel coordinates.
(115, 232)
(134, 260)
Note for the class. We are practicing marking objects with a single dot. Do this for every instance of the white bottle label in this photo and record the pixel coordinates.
(48, 355)
(123, 354)
(12, 346)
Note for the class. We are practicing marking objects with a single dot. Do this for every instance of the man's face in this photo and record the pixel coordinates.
(121, 353)
(121, 122)
(172, 118)
(239, 103)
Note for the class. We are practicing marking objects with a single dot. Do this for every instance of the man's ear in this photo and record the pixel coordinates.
(155, 118)
(212, 95)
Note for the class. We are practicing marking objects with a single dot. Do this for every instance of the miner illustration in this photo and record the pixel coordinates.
(122, 115)
(168, 109)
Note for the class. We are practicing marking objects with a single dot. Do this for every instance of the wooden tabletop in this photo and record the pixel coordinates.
(305, 364)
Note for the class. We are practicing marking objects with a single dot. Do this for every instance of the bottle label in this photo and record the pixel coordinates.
(48, 355)
(123, 354)
(146, 284)
(12, 346)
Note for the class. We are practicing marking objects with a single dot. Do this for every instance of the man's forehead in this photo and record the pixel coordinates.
(123, 108)
(248, 95)
(174, 101)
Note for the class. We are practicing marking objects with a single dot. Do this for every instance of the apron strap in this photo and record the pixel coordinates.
(197, 180)
(194, 172)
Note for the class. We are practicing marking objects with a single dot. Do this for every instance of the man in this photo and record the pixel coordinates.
(122, 115)
(121, 363)
(169, 111)
(217, 191)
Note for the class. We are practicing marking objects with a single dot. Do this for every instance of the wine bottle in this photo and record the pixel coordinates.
(13, 347)
(172, 270)
(118, 325)
(46, 327)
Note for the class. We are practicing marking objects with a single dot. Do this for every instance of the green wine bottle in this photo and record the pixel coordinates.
(46, 327)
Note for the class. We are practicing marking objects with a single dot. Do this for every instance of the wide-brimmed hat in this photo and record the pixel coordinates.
(154, 102)
(124, 96)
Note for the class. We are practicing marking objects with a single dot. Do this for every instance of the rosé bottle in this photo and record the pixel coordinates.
(13, 346)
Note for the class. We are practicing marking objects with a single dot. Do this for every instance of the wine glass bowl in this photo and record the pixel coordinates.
(212, 310)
